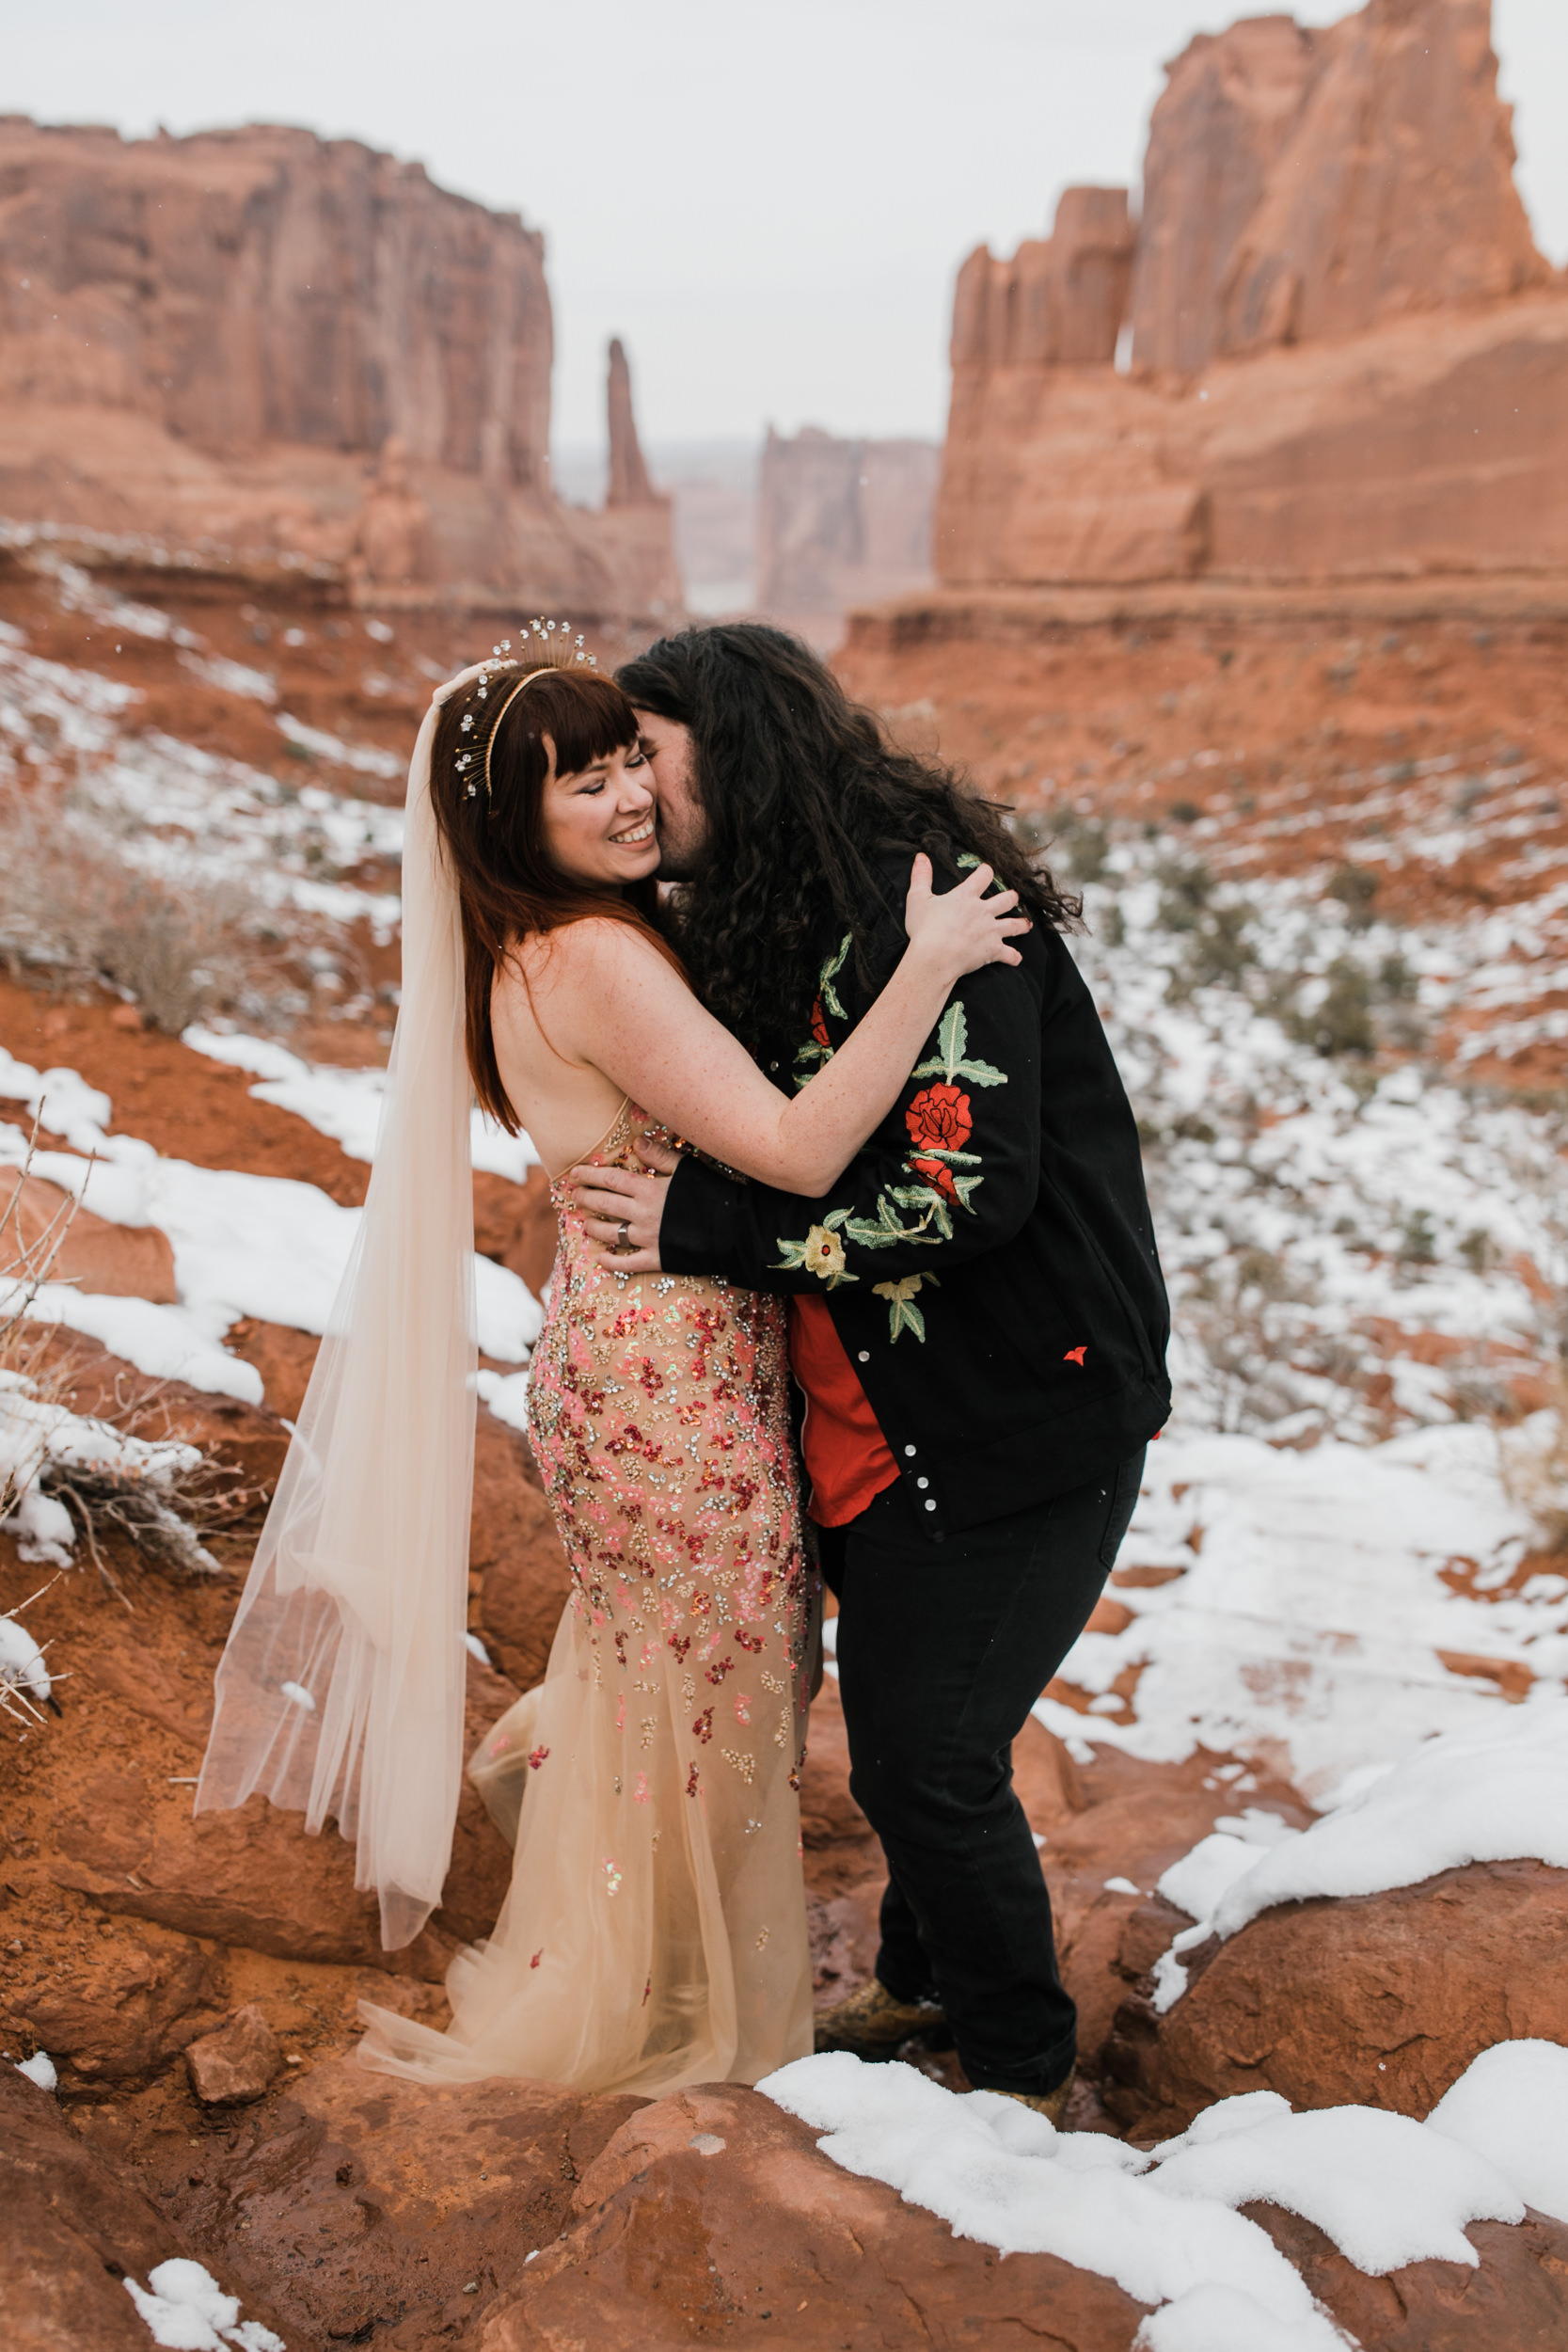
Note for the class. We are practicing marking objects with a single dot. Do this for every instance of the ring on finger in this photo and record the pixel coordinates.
(623, 1235)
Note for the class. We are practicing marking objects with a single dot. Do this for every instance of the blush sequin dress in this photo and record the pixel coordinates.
(654, 1931)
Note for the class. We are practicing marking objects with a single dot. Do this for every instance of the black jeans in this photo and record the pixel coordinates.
(942, 1650)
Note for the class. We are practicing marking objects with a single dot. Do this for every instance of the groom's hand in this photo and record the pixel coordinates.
(611, 1199)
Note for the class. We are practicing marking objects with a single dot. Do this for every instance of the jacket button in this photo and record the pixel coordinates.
(866, 1355)
(929, 1505)
(908, 1449)
(922, 1482)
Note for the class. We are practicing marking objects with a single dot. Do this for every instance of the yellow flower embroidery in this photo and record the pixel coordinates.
(821, 1253)
(824, 1253)
(902, 1312)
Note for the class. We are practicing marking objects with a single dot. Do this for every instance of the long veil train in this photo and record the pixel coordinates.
(340, 1690)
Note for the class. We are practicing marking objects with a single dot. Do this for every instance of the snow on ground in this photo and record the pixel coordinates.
(186, 2311)
(38, 1435)
(346, 1104)
(178, 811)
(244, 1244)
(1163, 2223)
(1306, 1617)
(1367, 1266)
(1496, 1792)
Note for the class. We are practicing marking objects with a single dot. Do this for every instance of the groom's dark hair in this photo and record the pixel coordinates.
(804, 796)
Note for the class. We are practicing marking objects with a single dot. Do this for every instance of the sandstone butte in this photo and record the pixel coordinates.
(294, 351)
(1342, 358)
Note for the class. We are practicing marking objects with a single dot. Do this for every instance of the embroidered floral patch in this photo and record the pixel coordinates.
(903, 1315)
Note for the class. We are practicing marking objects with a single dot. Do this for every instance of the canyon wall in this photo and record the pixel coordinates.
(840, 522)
(286, 347)
(1346, 355)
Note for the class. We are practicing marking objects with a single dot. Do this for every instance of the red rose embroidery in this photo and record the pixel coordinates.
(819, 1023)
(940, 1116)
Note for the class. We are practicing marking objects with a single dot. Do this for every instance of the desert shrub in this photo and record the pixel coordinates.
(1220, 948)
(1356, 888)
(1479, 1250)
(1417, 1239)
(1396, 980)
(71, 901)
(1076, 846)
(130, 1470)
(1240, 1318)
(1087, 848)
(1341, 1022)
(1185, 891)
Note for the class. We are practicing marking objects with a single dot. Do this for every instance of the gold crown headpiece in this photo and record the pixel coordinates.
(557, 649)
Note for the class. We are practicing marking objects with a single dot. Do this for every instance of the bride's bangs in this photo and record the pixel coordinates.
(586, 717)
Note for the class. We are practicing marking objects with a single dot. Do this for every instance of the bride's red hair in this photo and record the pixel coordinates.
(507, 888)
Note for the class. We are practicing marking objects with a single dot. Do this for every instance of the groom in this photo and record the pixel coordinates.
(977, 1319)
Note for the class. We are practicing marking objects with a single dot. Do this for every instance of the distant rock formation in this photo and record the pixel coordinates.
(1347, 356)
(1301, 185)
(635, 532)
(283, 346)
(390, 544)
(628, 476)
(1060, 301)
(840, 523)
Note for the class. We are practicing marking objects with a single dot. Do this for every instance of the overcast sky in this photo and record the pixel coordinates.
(767, 199)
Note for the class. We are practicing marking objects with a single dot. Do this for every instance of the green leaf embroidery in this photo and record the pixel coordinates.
(950, 1061)
(887, 1229)
(830, 971)
(903, 1315)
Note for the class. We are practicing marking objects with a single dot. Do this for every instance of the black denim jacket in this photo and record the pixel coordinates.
(989, 1257)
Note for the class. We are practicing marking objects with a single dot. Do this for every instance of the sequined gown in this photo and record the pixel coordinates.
(654, 1931)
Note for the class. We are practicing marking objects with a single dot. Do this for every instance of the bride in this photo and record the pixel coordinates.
(655, 1931)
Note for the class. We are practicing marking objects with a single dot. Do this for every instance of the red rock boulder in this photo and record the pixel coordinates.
(76, 2224)
(359, 2201)
(111, 1261)
(117, 2007)
(515, 1224)
(238, 2063)
(1379, 2000)
(712, 2214)
(514, 1550)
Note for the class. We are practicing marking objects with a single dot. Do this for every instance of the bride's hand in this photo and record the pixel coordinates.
(960, 929)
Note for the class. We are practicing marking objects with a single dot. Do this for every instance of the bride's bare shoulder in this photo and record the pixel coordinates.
(591, 952)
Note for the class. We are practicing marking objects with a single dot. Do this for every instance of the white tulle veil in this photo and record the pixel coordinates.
(340, 1690)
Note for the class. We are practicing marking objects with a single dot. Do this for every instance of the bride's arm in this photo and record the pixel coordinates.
(613, 1001)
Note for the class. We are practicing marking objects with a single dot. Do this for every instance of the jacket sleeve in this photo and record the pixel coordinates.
(952, 1172)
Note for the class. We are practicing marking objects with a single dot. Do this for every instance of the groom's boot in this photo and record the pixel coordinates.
(872, 2025)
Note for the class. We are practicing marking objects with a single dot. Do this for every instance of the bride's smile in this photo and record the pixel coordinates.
(600, 825)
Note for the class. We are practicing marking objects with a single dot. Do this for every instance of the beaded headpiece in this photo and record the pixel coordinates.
(561, 651)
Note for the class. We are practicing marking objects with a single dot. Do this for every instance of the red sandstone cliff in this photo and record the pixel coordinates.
(1300, 185)
(287, 347)
(1347, 356)
(840, 522)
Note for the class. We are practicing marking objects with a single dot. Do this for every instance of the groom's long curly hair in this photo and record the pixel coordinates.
(804, 797)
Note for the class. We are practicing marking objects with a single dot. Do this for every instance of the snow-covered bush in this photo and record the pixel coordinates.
(71, 900)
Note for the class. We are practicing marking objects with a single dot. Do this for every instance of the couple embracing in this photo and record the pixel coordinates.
(857, 1284)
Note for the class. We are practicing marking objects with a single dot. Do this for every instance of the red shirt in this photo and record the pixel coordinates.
(846, 1455)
